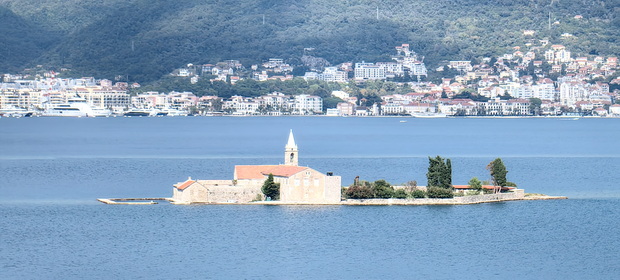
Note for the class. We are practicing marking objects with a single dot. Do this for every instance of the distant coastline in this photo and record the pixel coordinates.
(326, 116)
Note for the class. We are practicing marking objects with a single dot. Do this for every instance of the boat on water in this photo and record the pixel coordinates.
(75, 107)
(429, 115)
(15, 112)
(170, 112)
(140, 113)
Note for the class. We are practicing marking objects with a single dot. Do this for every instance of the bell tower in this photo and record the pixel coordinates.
(291, 154)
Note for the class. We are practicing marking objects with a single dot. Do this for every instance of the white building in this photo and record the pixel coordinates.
(240, 105)
(558, 54)
(573, 91)
(461, 65)
(507, 107)
(332, 74)
(105, 97)
(369, 71)
(307, 104)
(149, 100)
(22, 98)
(392, 108)
(614, 110)
(392, 69)
(276, 101)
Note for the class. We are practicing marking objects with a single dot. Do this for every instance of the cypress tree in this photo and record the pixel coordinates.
(271, 189)
(439, 173)
(448, 175)
(498, 172)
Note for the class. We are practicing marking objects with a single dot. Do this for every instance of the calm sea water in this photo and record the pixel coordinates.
(53, 169)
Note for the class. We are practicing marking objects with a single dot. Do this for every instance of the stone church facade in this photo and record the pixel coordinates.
(298, 184)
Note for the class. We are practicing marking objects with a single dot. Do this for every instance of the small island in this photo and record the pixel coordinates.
(291, 184)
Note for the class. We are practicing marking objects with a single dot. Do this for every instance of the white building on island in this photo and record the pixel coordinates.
(298, 184)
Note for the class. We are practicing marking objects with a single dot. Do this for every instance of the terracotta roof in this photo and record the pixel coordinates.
(488, 187)
(251, 171)
(284, 170)
(260, 171)
(185, 184)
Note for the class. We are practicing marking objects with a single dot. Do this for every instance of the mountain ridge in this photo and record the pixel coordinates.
(145, 40)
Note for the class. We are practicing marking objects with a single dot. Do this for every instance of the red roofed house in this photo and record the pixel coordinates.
(298, 184)
(599, 112)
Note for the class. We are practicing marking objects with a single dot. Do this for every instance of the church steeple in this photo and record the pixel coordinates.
(291, 154)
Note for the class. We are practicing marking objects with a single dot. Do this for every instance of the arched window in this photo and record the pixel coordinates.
(292, 156)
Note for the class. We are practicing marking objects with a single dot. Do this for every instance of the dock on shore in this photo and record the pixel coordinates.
(132, 201)
(543, 197)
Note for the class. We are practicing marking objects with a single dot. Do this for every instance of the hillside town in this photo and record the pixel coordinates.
(542, 80)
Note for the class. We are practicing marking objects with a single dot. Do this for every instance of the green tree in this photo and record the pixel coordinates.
(438, 192)
(331, 102)
(271, 189)
(475, 184)
(383, 189)
(360, 190)
(506, 96)
(498, 172)
(400, 193)
(439, 173)
(448, 174)
(417, 193)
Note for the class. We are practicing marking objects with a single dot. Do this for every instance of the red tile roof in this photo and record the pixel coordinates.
(185, 184)
(487, 187)
(251, 171)
(284, 170)
(260, 171)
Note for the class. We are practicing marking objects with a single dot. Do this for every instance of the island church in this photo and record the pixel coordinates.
(298, 184)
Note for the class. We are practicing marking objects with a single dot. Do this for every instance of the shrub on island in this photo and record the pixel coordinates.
(417, 193)
(367, 190)
(382, 189)
(439, 192)
(359, 192)
(400, 193)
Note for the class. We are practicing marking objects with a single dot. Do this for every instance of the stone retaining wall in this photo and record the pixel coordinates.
(459, 200)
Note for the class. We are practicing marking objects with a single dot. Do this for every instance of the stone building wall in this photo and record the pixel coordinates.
(309, 186)
(217, 191)
(233, 194)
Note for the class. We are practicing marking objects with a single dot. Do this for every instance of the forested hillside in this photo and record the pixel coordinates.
(145, 39)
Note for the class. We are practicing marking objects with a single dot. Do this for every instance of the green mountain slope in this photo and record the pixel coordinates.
(146, 39)
(21, 41)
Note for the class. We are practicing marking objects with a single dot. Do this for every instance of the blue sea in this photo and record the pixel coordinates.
(52, 170)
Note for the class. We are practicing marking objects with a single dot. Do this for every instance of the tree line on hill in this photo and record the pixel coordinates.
(143, 40)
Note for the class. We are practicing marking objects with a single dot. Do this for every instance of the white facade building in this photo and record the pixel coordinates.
(307, 104)
(369, 71)
(332, 74)
(574, 91)
(105, 98)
